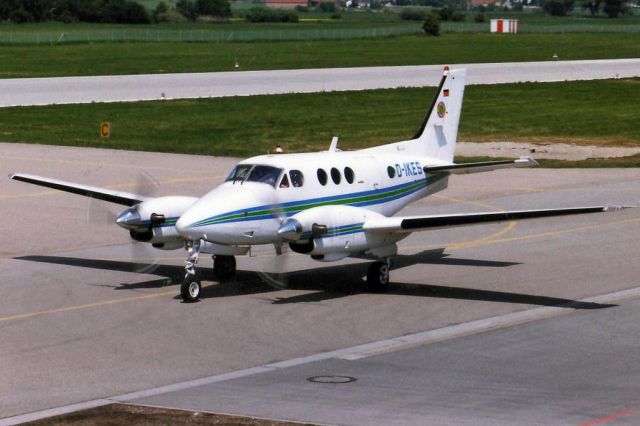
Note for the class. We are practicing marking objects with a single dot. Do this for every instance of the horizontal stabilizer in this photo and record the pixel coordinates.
(414, 223)
(485, 166)
(118, 197)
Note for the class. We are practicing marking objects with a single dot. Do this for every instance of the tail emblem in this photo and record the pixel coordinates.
(442, 109)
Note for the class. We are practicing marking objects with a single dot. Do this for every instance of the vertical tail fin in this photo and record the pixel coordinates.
(438, 132)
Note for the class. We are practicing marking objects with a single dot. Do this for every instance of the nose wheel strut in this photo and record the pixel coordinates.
(191, 286)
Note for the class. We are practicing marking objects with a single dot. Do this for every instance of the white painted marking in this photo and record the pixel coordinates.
(352, 353)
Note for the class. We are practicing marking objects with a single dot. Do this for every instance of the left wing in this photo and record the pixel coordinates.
(118, 197)
(418, 223)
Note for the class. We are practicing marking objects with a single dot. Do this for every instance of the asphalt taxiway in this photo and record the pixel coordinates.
(518, 322)
(128, 88)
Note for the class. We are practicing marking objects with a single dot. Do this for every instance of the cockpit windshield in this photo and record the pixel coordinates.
(254, 173)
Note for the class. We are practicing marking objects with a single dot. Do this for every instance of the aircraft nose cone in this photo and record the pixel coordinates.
(129, 219)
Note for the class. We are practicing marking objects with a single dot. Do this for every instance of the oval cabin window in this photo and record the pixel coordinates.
(348, 174)
(391, 172)
(322, 177)
(335, 175)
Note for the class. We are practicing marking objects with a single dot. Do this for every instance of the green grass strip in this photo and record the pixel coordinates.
(587, 112)
(144, 58)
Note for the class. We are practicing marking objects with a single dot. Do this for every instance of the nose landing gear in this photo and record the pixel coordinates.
(224, 268)
(190, 288)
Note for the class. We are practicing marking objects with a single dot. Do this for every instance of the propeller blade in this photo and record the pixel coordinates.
(145, 184)
(277, 275)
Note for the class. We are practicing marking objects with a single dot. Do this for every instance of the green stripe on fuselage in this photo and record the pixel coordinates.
(305, 205)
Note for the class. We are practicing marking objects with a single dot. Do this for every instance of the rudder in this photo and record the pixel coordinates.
(438, 132)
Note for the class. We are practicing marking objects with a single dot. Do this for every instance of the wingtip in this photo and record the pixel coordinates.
(528, 161)
(616, 208)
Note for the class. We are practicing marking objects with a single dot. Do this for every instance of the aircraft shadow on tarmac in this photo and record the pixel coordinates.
(331, 282)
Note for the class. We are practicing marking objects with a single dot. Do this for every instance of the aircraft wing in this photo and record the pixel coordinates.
(118, 197)
(485, 166)
(420, 223)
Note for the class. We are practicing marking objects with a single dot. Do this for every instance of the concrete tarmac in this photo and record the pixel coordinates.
(573, 370)
(128, 88)
(82, 320)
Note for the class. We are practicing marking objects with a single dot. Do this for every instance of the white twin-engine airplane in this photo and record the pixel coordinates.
(329, 205)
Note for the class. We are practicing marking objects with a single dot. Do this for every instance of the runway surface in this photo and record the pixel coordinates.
(127, 88)
(79, 324)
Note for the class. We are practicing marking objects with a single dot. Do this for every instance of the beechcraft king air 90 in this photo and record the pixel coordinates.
(328, 205)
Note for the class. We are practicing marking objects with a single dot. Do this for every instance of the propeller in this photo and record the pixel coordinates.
(292, 231)
(140, 254)
(276, 275)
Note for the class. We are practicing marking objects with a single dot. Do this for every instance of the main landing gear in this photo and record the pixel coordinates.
(224, 268)
(378, 276)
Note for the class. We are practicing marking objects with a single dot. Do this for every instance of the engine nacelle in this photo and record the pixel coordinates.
(331, 233)
(153, 221)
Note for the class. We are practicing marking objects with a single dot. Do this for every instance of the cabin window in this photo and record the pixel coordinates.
(284, 183)
(297, 178)
(335, 175)
(322, 177)
(348, 174)
(391, 171)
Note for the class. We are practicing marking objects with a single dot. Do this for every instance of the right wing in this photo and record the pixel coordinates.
(118, 197)
(420, 223)
(485, 166)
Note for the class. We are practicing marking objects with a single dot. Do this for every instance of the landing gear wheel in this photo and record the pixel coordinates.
(224, 267)
(190, 289)
(378, 277)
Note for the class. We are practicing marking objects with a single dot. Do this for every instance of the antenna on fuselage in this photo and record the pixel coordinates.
(334, 144)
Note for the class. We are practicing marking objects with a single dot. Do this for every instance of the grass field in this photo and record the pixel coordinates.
(140, 58)
(598, 112)
(313, 25)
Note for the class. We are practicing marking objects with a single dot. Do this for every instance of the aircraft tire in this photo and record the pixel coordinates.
(190, 289)
(224, 267)
(378, 277)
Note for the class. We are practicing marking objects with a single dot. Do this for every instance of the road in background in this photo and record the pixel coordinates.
(128, 88)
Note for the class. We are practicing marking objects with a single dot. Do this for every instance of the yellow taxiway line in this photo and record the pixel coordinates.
(85, 306)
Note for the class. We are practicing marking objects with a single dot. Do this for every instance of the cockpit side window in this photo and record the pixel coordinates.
(264, 174)
(284, 183)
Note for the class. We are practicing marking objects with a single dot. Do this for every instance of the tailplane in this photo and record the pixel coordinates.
(438, 133)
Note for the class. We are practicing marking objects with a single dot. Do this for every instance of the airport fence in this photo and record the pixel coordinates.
(248, 35)
(149, 35)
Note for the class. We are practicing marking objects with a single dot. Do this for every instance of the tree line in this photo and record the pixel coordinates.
(104, 11)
